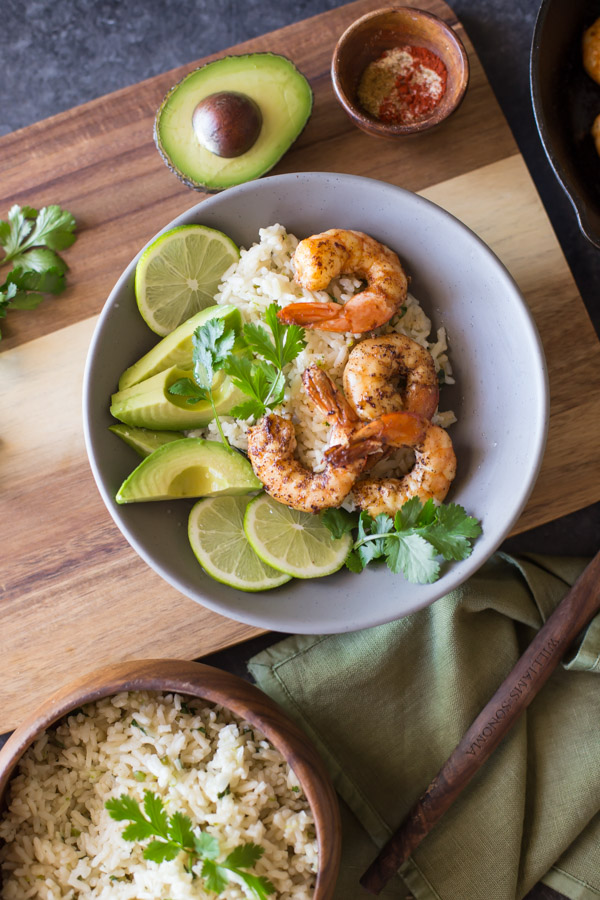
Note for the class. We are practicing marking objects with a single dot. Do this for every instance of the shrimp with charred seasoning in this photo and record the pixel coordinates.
(320, 258)
(272, 445)
(430, 477)
(391, 373)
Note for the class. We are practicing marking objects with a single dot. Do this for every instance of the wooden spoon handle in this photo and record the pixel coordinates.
(512, 697)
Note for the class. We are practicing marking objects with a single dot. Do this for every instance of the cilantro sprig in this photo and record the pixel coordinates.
(212, 343)
(175, 834)
(262, 379)
(264, 384)
(412, 542)
(30, 239)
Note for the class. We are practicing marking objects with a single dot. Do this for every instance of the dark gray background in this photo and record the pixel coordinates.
(55, 55)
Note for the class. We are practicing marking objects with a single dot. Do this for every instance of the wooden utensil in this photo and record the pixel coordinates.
(511, 699)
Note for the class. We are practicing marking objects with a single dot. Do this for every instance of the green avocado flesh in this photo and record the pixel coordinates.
(144, 441)
(276, 86)
(191, 467)
(149, 404)
(176, 348)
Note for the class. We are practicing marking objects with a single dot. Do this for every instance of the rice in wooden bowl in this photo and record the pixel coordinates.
(182, 739)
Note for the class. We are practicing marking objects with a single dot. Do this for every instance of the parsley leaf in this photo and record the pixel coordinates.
(338, 521)
(154, 809)
(260, 886)
(206, 845)
(452, 533)
(412, 541)
(354, 562)
(288, 339)
(286, 343)
(176, 834)
(215, 877)
(245, 856)
(414, 557)
(187, 388)
(125, 808)
(212, 345)
(368, 527)
(263, 379)
(260, 381)
(159, 851)
(30, 239)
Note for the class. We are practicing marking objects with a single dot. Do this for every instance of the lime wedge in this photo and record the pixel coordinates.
(179, 273)
(293, 542)
(216, 533)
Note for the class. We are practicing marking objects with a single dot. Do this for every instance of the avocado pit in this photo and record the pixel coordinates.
(190, 139)
(227, 123)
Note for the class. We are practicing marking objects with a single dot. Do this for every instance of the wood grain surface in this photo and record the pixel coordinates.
(74, 594)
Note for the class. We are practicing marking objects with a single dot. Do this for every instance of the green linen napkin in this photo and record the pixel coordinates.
(387, 705)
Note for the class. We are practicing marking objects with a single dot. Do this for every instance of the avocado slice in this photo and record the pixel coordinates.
(176, 348)
(191, 467)
(144, 441)
(282, 95)
(149, 404)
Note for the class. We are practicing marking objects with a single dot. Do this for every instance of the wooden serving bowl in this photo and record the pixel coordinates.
(367, 38)
(215, 686)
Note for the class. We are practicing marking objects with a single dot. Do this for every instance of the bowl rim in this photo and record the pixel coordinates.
(386, 129)
(452, 578)
(213, 685)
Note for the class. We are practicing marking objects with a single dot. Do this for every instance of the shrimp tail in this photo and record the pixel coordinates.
(401, 429)
(328, 398)
(344, 454)
(311, 314)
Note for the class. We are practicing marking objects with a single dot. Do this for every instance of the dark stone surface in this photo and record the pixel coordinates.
(57, 55)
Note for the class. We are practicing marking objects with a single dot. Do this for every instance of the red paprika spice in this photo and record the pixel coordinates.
(403, 85)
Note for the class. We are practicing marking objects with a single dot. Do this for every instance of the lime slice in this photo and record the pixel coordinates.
(216, 533)
(179, 273)
(293, 542)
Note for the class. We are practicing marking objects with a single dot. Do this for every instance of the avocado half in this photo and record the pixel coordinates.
(282, 94)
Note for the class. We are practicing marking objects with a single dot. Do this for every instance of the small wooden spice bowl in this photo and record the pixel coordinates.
(365, 41)
(214, 686)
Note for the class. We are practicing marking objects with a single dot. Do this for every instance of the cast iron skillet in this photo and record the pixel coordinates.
(565, 103)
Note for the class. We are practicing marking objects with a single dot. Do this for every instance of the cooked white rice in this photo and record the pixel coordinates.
(61, 844)
(264, 275)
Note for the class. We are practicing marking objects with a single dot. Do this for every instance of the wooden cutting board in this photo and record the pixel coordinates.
(74, 594)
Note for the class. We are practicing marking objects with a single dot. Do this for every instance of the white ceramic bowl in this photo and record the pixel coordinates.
(500, 398)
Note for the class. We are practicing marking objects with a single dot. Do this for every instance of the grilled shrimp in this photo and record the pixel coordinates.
(377, 365)
(320, 258)
(431, 475)
(330, 401)
(271, 446)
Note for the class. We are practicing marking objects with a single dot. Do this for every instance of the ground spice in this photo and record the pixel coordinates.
(403, 85)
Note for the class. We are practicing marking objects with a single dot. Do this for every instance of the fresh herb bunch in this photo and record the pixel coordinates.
(412, 542)
(30, 239)
(175, 834)
(261, 379)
